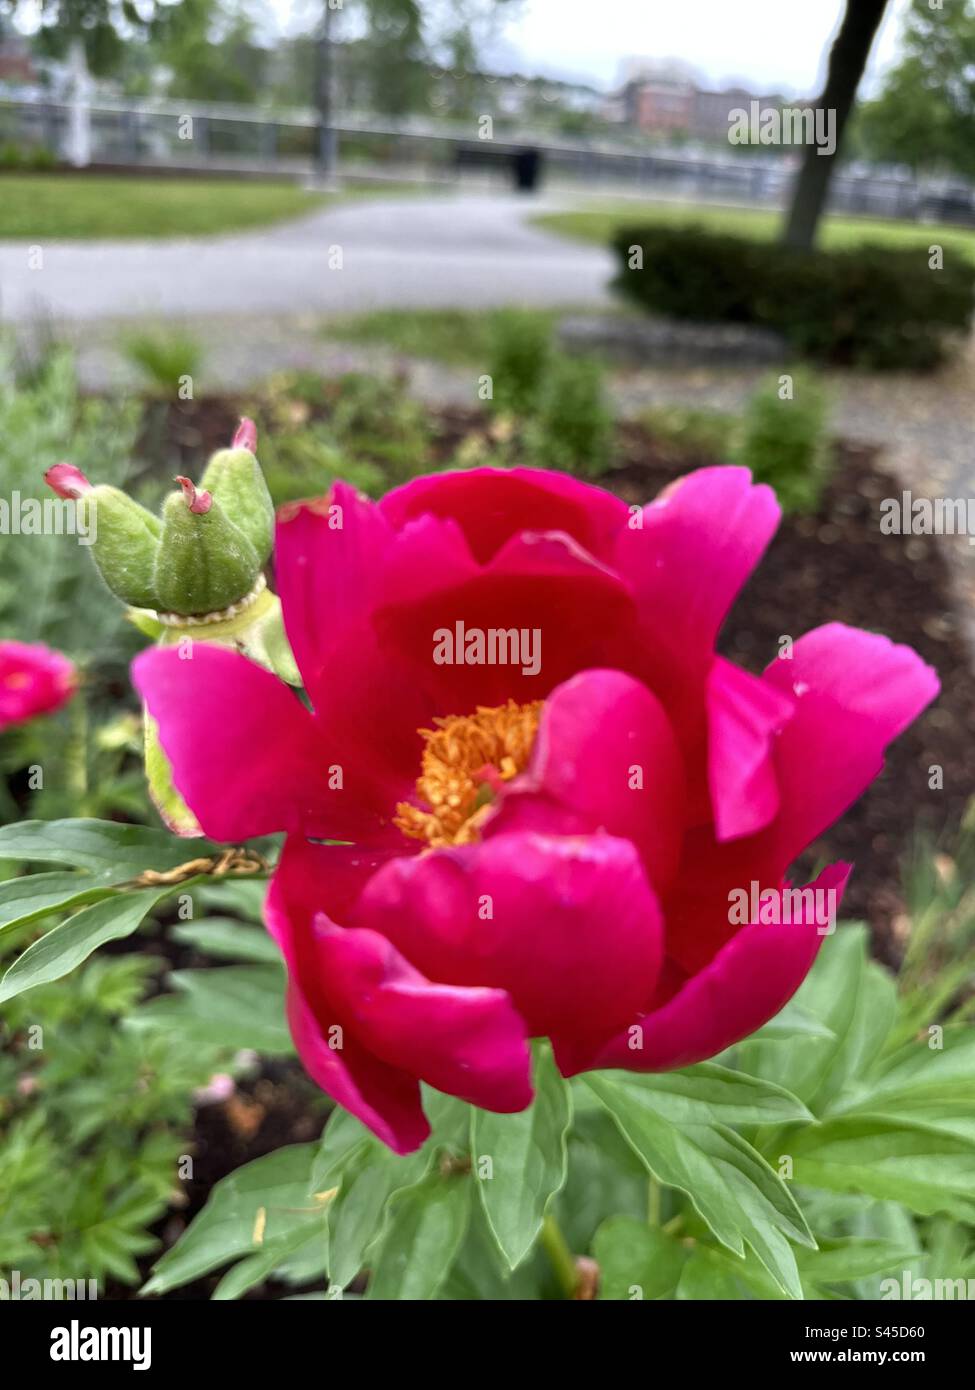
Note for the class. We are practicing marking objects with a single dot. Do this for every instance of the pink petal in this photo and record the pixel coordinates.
(247, 756)
(330, 557)
(605, 758)
(493, 505)
(699, 542)
(245, 436)
(568, 926)
(854, 692)
(565, 605)
(67, 481)
(745, 715)
(383, 1097)
(745, 985)
(367, 1024)
(198, 502)
(467, 1042)
(34, 680)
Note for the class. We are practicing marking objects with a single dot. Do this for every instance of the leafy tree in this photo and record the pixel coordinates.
(105, 28)
(925, 113)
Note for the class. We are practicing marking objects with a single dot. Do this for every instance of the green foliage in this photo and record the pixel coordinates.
(870, 307)
(163, 357)
(48, 580)
(519, 1161)
(462, 336)
(94, 1119)
(520, 354)
(784, 442)
(15, 156)
(573, 426)
(688, 435)
(362, 429)
(105, 857)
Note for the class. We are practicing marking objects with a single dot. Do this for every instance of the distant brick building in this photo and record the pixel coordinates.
(659, 104)
(712, 110)
(666, 105)
(15, 62)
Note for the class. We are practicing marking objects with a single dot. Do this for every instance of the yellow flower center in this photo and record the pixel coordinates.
(466, 759)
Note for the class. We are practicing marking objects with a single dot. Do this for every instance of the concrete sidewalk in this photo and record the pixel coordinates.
(465, 251)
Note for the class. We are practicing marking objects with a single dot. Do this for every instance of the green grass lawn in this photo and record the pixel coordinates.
(597, 221)
(39, 206)
(457, 336)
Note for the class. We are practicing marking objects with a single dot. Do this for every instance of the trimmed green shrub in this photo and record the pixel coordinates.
(572, 427)
(520, 355)
(784, 442)
(868, 306)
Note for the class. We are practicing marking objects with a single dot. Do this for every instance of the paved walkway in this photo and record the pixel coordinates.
(471, 251)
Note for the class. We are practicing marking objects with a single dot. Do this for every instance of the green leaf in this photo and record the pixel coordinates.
(711, 1275)
(36, 895)
(259, 1204)
(855, 1001)
(708, 1093)
(426, 1225)
(242, 896)
(850, 1257)
(235, 1006)
(920, 1074)
(890, 1159)
(173, 810)
(225, 937)
(343, 1136)
(636, 1260)
(524, 1160)
(368, 1180)
(791, 1023)
(112, 853)
(730, 1184)
(257, 1268)
(71, 942)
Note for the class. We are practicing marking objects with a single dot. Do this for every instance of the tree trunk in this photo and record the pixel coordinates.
(326, 143)
(847, 60)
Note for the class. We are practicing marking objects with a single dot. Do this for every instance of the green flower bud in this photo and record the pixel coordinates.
(234, 478)
(205, 563)
(125, 537)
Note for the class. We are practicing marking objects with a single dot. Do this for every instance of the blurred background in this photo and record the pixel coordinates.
(408, 235)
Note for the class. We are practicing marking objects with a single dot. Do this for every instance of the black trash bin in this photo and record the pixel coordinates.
(528, 170)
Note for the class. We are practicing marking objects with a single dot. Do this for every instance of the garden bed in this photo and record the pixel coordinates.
(832, 565)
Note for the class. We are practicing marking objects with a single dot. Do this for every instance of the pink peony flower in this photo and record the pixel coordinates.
(33, 680)
(550, 787)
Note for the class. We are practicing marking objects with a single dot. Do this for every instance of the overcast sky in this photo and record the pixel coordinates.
(771, 43)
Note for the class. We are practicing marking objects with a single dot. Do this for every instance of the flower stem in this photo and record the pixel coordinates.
(560, 1256)
(653, 1202)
